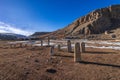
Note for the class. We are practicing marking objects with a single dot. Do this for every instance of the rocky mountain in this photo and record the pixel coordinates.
(101, 21)
(11, 36)
(96, 22)
(40, 33)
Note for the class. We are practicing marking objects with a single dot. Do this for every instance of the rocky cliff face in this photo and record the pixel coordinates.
(101, 22)
(96, 22)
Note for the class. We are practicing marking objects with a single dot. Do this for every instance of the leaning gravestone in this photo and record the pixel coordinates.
(77, 53)
(69, 48)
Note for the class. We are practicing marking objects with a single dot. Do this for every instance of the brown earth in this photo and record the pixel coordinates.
(35, 63)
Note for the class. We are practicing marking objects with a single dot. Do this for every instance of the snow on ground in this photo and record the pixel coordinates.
(109, 44)
(104, 47)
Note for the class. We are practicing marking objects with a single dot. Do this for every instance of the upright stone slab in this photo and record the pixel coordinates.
(10, 45)
(77, 53)
(82, 46)
(48, 41)
(59, 47)
(41, 42)
(14, 45)
(52, 50)
(25, 44)
(29, 39)
(20, 44)
(69, 48)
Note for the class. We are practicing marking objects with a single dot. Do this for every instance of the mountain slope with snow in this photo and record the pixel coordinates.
(11, 36)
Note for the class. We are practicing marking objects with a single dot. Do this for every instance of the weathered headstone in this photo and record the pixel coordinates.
(82, 46)
(59, 47)
(52, 50)
(77, 53)
(20, 45)
(13, 45)
(10, 45)
(31, 45)
(69, 48)
(29, 39)
(48, 41)
(41, 42)
(25, 44)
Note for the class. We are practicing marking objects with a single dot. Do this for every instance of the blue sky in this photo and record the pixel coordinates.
(29, 16)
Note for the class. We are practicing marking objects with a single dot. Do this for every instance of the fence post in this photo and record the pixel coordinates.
(77, 53)
(82, 46)
(69, 48)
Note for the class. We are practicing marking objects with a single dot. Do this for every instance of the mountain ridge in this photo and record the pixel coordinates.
(11, 36)
(98, 21)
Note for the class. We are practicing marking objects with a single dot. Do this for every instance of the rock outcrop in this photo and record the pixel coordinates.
(96, 22)
(105, 21)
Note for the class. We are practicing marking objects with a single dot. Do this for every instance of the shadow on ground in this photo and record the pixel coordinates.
(100, 64)
(69, 56)
(96, 52)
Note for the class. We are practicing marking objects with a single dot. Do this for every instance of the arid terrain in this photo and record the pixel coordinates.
(35, 63)
(87, 48)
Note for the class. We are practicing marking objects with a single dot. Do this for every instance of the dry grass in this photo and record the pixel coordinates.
(35, 63)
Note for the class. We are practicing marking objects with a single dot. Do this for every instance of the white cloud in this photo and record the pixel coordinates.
(6, 28)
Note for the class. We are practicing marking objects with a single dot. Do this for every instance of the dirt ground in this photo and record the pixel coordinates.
(35, 63)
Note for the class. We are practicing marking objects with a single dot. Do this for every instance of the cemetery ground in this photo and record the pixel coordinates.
(35, 63)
